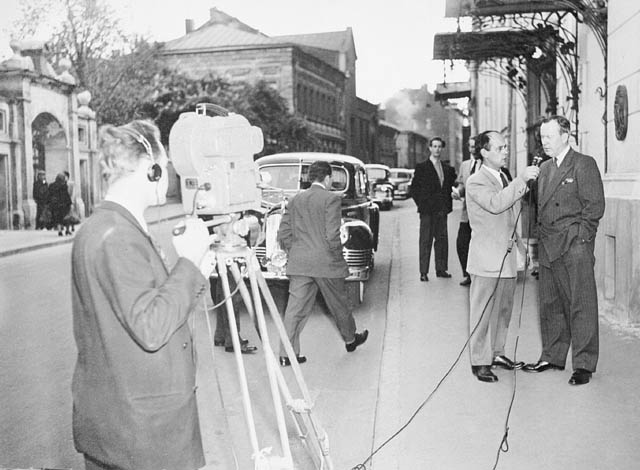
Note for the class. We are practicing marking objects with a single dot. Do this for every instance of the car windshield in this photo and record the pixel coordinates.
(400, 175)
(288, 177)
(376, 173)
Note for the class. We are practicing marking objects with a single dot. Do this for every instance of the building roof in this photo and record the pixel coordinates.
(217, 35)
(333, 40)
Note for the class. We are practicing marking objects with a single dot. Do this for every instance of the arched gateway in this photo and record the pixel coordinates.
(45, 124)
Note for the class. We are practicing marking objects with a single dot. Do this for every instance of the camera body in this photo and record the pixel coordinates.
(214, 157)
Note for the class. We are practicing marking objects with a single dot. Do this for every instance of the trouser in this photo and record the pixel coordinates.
(462, 245)
(223, 332)
(569, 308)
(433, 226)
(302, 295)
(490, 307)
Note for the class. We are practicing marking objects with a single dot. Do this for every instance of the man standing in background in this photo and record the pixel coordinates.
(467, 168)
(431, 190)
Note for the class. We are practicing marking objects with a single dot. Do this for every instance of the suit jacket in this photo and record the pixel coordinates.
(310, 233)
(570, 204)
(134, 382)
(493, 211)
(430, 196)
(465, 172)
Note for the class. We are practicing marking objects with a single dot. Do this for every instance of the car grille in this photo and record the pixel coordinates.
(354, 258)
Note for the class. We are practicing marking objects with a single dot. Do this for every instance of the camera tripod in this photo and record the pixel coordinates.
(229, 253)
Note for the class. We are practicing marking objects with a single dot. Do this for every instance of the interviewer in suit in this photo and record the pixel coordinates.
(570, 206)
(134, 403)
(310, 234)
(431, 188)
(493, 205)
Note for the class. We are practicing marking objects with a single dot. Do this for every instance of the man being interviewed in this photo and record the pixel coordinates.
(492, 205)
(310, 234)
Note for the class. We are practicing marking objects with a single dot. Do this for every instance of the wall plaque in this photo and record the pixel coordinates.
(621, 112)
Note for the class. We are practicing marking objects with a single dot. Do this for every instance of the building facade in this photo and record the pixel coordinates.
(315, 73)
(44, 125)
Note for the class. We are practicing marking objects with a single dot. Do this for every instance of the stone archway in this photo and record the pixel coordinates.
(50, 148)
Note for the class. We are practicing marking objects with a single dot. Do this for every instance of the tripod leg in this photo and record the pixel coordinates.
(242, 376)
(270, 359)
(246, 296)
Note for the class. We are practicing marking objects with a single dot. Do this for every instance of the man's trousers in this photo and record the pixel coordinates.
(433, 226)
(302, 296)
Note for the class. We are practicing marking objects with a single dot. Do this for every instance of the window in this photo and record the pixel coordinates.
(3, 121)
(82, 134)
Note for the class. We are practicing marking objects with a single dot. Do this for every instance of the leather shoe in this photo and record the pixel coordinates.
(580, 377)
(466, 282)
(245, 348)
(285, 362)
(424, 278)
(541, 366)
(220, 342)
(360, 338)
(484, 374)
(506, 363)
(442, 274)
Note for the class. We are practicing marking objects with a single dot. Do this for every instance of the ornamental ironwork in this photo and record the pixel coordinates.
(621, 112)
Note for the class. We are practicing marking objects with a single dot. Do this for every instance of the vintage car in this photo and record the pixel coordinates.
(380, 189)
(401, 180)
(284, 175)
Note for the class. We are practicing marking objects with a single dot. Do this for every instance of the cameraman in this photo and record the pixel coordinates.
(134, 403)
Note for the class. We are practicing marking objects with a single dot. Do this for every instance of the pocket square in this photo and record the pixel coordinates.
(568, 180)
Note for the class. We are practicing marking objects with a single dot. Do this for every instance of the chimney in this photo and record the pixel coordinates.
(188, 26)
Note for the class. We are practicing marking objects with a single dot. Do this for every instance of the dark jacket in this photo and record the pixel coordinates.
(429, 195)
(59, 200)
(40, 192)
(134, 403)
(570, 205)
(310, 234)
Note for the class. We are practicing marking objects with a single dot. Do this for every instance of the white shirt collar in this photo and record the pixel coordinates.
(495, 173)
(562, 154)
(434, 160)
(319, 184)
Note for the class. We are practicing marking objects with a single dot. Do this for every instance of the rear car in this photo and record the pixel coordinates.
(401, 178)
(380, 189)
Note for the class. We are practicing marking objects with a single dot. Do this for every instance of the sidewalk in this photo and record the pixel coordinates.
(18, 241)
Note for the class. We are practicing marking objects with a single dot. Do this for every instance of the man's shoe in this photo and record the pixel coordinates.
(424, 278)
(580, 377)
(506, 363)
(541, 366)
(442, 274)
(466, 282)
(220, 342)
(360, 338)
(245, 348)
(484, 374)
(285, 362)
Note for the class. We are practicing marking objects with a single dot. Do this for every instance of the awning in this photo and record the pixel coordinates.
(445, 91)
(485, 45)
(456, 8)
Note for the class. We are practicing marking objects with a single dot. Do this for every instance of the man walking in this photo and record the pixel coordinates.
(431, 190)
(467, 168)
(310, 234)
(570, 205)
(493, 206)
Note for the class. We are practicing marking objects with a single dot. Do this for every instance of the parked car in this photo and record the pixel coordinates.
(380, 189)
(401, 180)
(286, 174)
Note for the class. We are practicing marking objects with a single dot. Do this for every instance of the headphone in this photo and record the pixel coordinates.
(154, 173)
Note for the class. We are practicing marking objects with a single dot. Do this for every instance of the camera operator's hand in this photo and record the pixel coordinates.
(529, 173)
(191, 240)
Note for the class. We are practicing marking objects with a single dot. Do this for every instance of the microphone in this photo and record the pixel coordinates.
(537, 161)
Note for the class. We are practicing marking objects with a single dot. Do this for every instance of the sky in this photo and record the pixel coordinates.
(394, 39)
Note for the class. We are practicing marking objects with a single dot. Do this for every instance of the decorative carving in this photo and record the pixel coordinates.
(621, 112)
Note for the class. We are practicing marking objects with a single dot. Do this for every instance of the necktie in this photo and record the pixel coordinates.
(553, 168)
(438, 166)
(503, 178)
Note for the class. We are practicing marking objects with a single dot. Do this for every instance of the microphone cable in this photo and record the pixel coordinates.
(363, 464)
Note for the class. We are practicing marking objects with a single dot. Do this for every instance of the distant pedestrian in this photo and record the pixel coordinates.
(310, 234)
(41, 197)
(431, 189)
(493, 204)
(467, 168)
(59, 203)
(570, 206)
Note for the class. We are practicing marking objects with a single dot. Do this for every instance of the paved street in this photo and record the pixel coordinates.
(417, 331)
